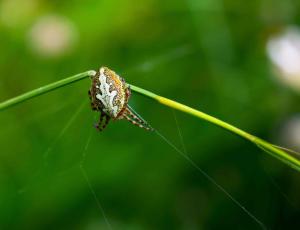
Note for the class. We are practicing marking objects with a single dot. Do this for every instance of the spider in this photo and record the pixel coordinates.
(109, 94)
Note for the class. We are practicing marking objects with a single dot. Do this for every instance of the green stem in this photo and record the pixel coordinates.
(44, 89)
(264, 145)
(274, 151)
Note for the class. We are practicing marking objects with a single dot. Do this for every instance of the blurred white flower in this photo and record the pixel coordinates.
(290, 134)
(52, 36)
(284, 53)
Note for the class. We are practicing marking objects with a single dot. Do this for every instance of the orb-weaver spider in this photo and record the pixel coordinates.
(109, 94)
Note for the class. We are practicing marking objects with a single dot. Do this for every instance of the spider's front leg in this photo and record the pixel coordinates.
(131, 116)
(103, 121)
(93, 105)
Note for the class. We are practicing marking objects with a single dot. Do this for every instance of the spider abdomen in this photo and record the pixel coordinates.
(110, 92)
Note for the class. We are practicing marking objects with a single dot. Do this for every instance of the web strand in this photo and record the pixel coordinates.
(62, 132)
(88, 182)
(179, 133)
(209, 178)
(50, 147)
(276, 185)
(167, 57)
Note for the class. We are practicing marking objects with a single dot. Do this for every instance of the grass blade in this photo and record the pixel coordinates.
(275, 151)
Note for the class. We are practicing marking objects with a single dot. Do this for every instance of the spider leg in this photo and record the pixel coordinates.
(98, 124)
(103, 121)
(94, 107)
(107, 119)
(131, 116)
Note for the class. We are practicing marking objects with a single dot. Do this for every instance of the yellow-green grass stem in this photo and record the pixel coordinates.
(274, 151)
(264, 145)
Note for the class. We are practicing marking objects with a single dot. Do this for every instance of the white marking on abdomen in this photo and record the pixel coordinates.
(107, 97)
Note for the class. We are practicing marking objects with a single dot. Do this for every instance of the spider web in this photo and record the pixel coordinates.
(39, 175)
(185, 154)
(178, 52)
(86, 178)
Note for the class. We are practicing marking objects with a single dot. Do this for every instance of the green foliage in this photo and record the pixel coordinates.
(206, 54)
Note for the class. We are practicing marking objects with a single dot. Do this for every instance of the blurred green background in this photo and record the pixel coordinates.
(233, 59)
